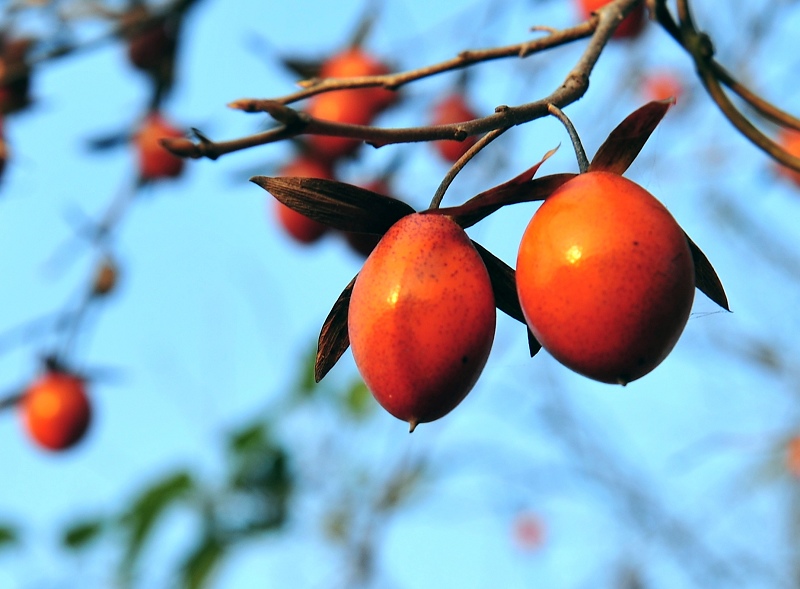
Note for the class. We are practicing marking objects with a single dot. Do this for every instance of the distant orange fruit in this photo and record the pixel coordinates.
(453, 109)
(422, 318)
(789, 140)
(355, 107)
(356, 62)
(605, 278)
(793, 456)
(155, 162)
(298, 226)
(662, 84)
(529, 531)
(149, 48)
(55, 410)
(630, 26)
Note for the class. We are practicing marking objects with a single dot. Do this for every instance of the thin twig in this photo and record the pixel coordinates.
(462, 161)
(580, 152)
(574, 86)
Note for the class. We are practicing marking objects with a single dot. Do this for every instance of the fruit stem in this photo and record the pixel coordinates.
(461, 162)
(580, 153)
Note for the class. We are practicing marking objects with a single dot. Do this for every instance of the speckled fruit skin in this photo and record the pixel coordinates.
(630, 26)
(453, 109)
(422, 318)
(155, 162)
(56, 411)
(605, 278)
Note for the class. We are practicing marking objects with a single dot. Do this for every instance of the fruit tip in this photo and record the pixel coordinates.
(412, 425)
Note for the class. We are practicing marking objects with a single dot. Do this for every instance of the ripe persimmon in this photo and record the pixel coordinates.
(422, 318)
(353, 106)
(356, 62)
(789, 140)
(630, 26)
(301, 228)
(661, 84)
(155, 162)
(453, 109)
(605, 277)
(340, 106)
(151, 47)
(792, 456)
(55, 410)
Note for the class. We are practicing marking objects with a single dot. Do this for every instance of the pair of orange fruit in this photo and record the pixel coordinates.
(605, 279)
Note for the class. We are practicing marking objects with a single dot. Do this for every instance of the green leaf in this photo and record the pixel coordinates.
(8, 536)
(147, 510)
(334, 338)
(358, 399)
(80, 535)
(339, 205)
(248, 439)
(201, 563)
(626, 141)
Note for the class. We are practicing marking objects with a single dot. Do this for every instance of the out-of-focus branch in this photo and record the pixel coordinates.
(600, 27)
(714, 76)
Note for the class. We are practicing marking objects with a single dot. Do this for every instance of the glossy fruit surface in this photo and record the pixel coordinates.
(789, 140)
(605, 278)
(56, 411)
(422, 318)
(630, 26)
(155, 162)
(298, 226)
(453, 109)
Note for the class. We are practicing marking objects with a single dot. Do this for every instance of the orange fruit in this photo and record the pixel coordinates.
(789, 140)
(630, 26)
(605, 278)
(56, 411)
(301, 228)
(792, 456)
(155, 162)
(355, 107)
(355, 62)
(422, 318)
(453, 109)
(340, 106)
(660, 85)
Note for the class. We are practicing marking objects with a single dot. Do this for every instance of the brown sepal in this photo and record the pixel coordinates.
(705, 277)
(626, 141)
(334, 338)
(339, 205)
(504, 285)
(481, 206)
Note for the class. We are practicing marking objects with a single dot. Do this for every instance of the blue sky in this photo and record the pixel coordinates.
(215, 304)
